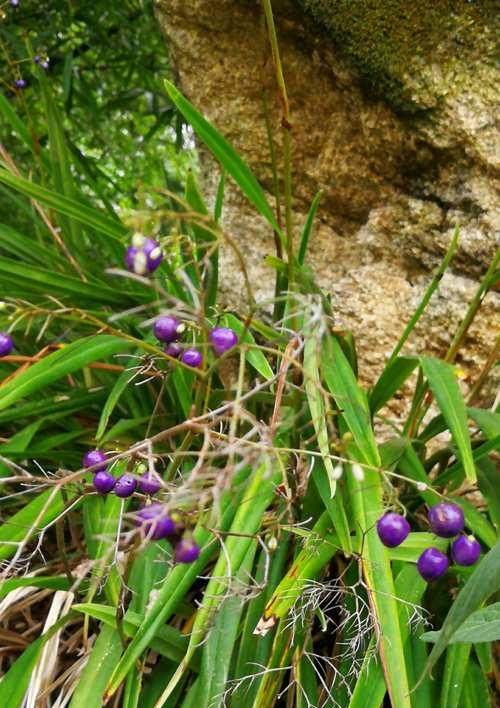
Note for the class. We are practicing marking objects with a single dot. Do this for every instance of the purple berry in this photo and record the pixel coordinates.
(95, 457)
(173, 349)
(153, 253)
(15, 3)
(193, 358)
(465, 550)
(432, 564)
(6, 344)
(103, 482)
(223, 339)
(42, 61)
(155, 522)
(446, 519)
(149, 484)
(125, 486)
(143, 256)
(392, 529)
(186, 551)
(20, 83)
(165, 328)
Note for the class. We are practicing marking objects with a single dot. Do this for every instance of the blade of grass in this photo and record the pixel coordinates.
(167, 641)
(444, 385)
(71, 358)
(308, 226)
(226, 154)
(101, 662)
(434, 284)
(484, 581)
(218, 649)
(255, 358)
(455, 669)
(86, 215)
(350, 399)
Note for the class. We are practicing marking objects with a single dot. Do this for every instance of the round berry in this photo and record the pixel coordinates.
(149, 484)
(143, 256)
(465, 550)
(432, 564)
(223, 339)
(95, 457)
(192, 357)
(42, 61)
(20, 83)
(186, 551)
(155, 522)
(154, 254)
(103, 482)
(165, 328)
(6, 344)
(173, 349)
(446, 519)
(15, 3)
(125, 486)
(392, 529)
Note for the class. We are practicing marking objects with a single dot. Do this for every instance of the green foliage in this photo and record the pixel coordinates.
(270, 456)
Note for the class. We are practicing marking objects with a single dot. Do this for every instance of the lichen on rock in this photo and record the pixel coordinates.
(390, 42)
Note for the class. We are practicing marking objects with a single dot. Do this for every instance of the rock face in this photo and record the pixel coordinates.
(393, 117)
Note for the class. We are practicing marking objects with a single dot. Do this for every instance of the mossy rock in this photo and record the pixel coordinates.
(386, 40)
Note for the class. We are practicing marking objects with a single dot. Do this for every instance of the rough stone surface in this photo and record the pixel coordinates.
(398, 174)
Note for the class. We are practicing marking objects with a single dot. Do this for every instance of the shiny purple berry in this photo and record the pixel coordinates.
(155, 522)
(432, 564)
(153, 253)
(20, 83)
(465, 550)
(186, 551)
(125, 486)
(95, 457)
(192, 357)
(149, 484)
(223, 339)
(446, 519)
(6, 344)
(165, 328)
(392, 529)
(173, 349)
(143, 256)
(103, 482)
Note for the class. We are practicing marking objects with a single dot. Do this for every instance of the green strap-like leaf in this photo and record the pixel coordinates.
(484, 581)
(444, 386)
(350, 399)
(481, 626)
(71, 358)
(226, 154)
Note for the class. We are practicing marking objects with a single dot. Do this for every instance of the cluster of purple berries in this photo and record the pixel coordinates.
(446, 520)
(153, 520)
(168, 330)
(124, 486)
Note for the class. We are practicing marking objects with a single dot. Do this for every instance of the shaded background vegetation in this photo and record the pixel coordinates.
(107, 64)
